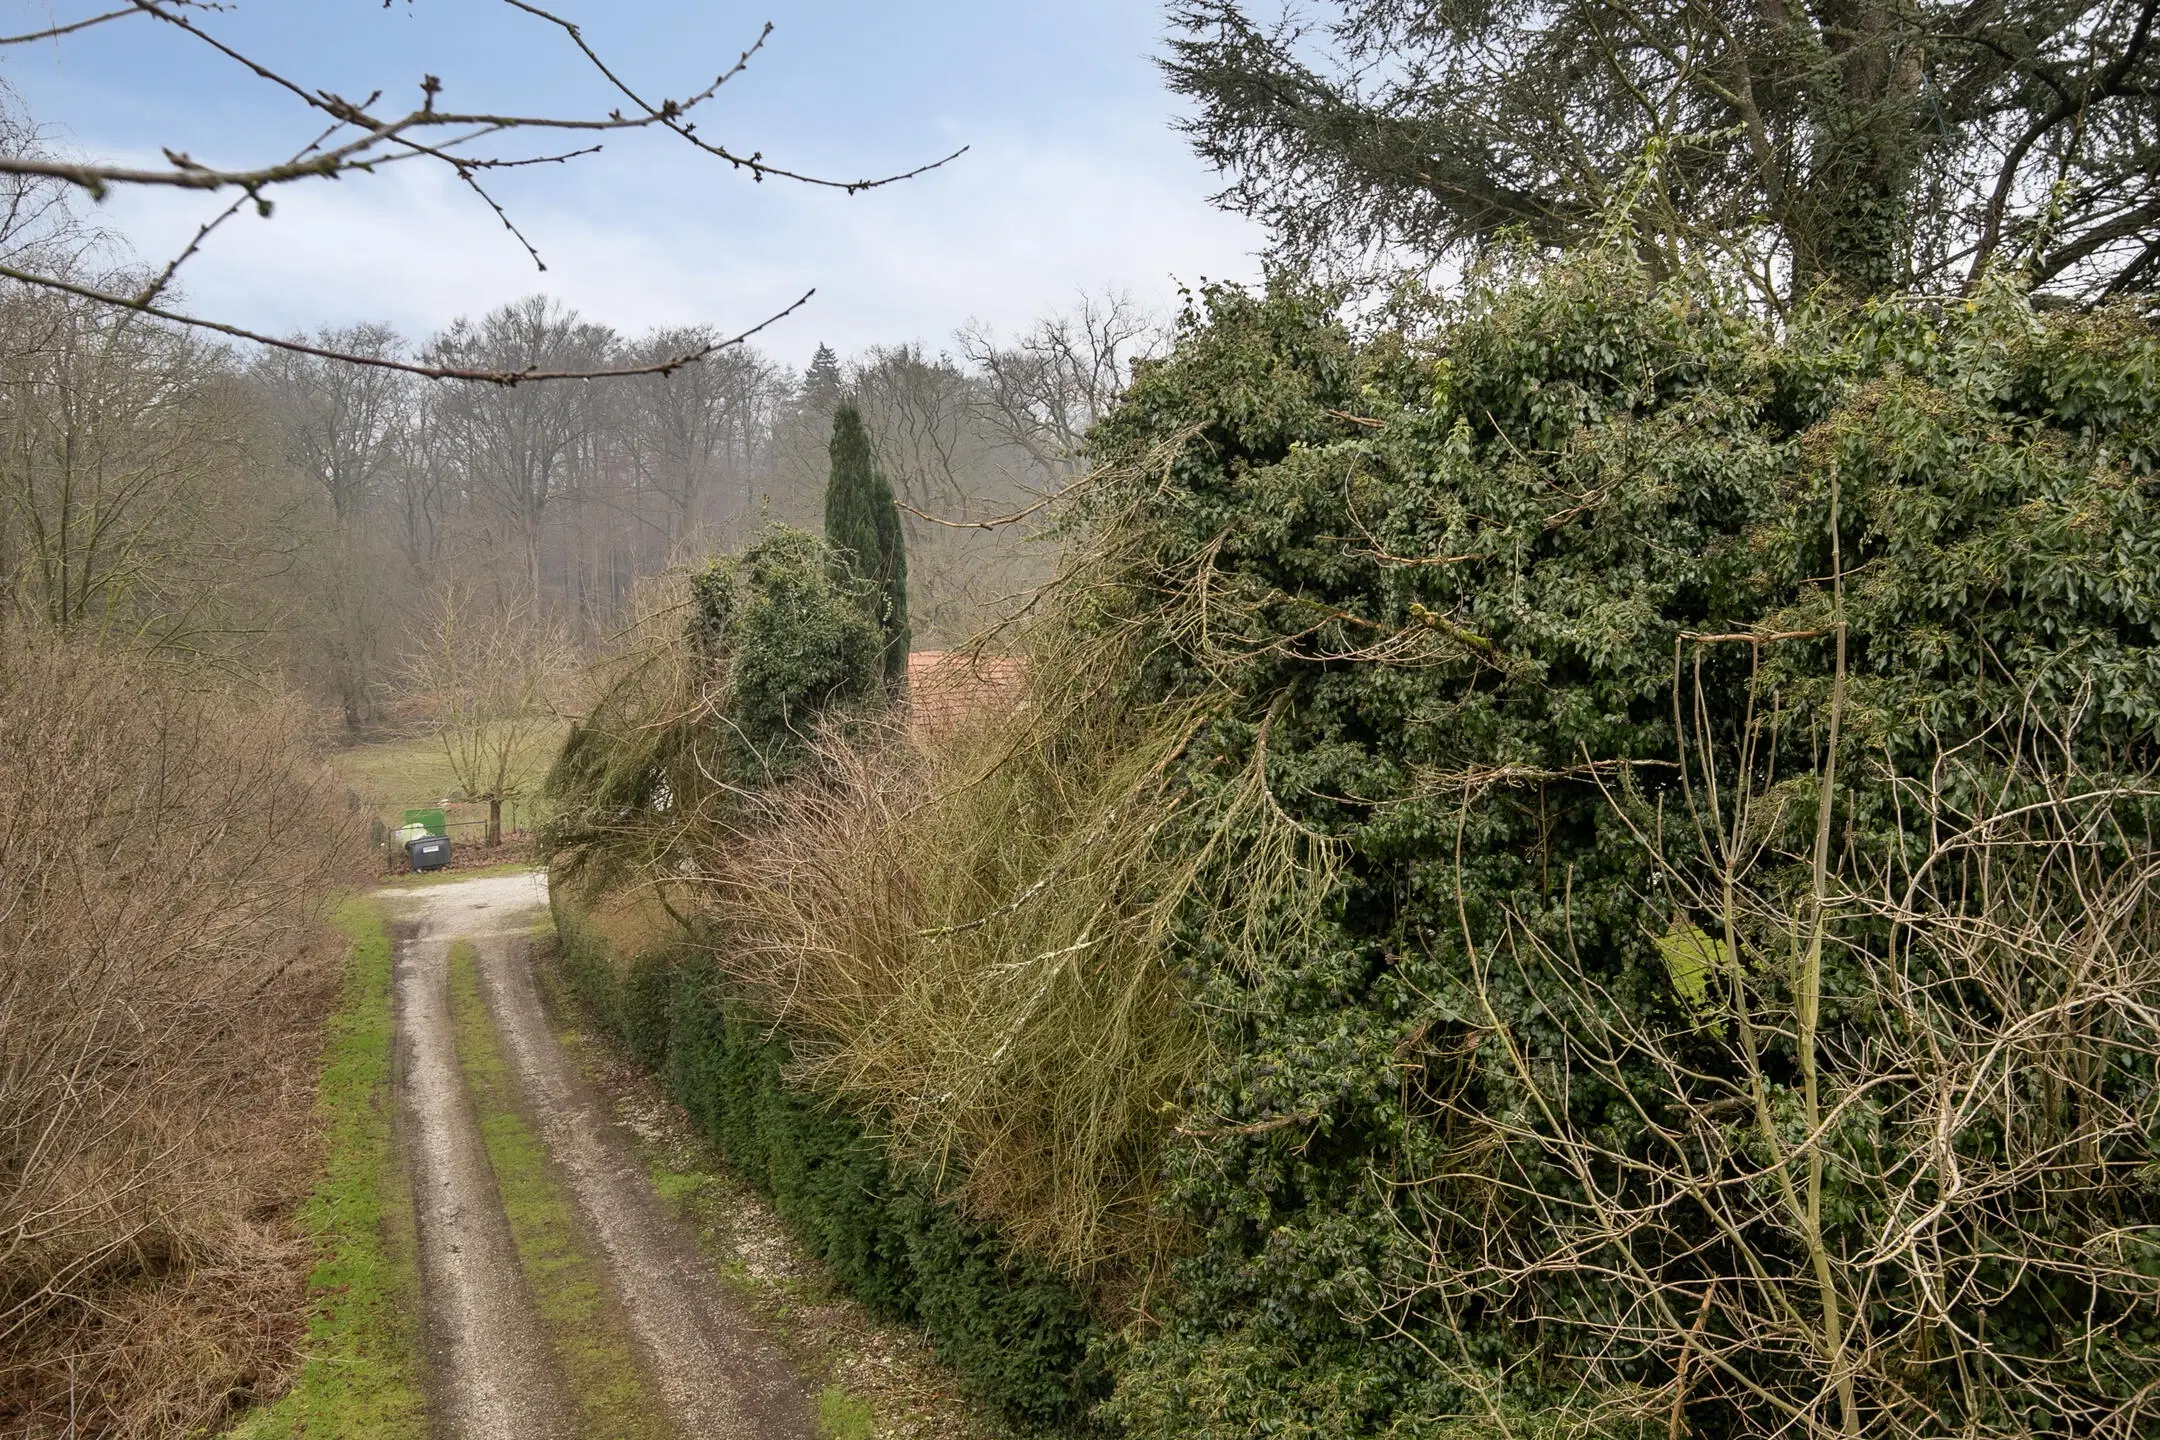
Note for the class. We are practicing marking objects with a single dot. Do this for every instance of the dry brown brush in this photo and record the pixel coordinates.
(166, 848)
(960, 928)
(960, 939)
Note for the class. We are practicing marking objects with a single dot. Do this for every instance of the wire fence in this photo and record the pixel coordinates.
(465, 835)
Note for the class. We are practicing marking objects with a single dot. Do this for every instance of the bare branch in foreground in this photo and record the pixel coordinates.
(994, 524)
(666, 366)
(54, 32)
(359, 139)
(385, 140)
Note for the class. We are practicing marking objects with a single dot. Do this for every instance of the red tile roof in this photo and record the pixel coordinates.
(945, 687)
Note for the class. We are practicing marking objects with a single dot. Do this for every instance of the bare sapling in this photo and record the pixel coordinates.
(492, 675)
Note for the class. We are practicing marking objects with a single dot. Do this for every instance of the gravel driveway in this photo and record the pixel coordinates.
(493, 1377)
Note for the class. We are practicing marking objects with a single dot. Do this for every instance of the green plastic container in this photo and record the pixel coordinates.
(436, 821)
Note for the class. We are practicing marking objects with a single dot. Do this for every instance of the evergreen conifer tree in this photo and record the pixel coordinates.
(821, 382)
(862, 529)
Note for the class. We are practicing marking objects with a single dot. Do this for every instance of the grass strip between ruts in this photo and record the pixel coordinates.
(585, 1323)
(361, 1379)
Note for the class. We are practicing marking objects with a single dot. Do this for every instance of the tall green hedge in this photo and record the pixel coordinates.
(1018, 1337)
(1436, 578)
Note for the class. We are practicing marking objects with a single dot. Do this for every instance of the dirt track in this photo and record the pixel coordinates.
(719, 1378)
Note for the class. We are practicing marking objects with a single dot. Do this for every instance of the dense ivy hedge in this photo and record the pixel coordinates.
(1464, 591)
(1435, 577)
(1017, 1336)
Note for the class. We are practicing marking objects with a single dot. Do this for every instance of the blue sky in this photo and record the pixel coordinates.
(1074, 179)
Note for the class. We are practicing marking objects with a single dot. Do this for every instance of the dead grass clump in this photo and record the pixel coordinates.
(964, 935)
(166, 848)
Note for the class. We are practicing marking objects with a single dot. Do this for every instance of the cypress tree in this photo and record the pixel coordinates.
(862, 529)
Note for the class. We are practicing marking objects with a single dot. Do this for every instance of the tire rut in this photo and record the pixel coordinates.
(487, 1354)
(720, 1377)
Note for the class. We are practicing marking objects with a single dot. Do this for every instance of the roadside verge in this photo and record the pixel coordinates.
(361, 1378)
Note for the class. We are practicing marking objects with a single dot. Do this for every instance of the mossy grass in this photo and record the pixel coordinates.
(584, 1321)
(362, 1376)
(842, 1416)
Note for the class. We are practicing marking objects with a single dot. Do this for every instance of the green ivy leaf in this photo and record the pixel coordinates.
(1692, 956)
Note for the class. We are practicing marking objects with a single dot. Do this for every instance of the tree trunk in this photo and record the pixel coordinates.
(494, 830)
(1853, 227)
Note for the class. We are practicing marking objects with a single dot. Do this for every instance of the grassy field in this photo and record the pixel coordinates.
(361, 1379)
(396, 775)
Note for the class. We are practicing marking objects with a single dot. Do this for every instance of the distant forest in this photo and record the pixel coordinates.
(302, 515)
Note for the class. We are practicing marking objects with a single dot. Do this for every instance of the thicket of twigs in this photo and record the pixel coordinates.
(1897, 1145)
(166, 847)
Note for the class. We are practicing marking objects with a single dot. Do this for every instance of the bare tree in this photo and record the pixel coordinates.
(422, 491)
(491, 674)
(918, 410)
(38, 225)
(517, 444)
(122, 467)
(343, 426)
(360, 137)
(690, 432)
(1043, 390)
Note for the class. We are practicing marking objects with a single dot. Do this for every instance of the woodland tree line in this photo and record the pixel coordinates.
(317, 517)
(313, 513)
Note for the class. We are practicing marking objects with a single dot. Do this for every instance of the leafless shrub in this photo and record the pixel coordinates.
(165, 851)
(492, 676)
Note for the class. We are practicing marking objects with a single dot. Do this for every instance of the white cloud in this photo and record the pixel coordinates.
(1012, 230)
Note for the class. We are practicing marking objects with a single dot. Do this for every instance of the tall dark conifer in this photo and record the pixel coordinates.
(821, 382)
(862, 528)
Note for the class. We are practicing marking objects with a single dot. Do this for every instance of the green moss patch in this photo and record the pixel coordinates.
(842, 1416)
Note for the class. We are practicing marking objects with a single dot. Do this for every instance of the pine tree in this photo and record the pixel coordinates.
(862, 529)
(821, 382)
